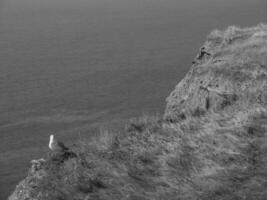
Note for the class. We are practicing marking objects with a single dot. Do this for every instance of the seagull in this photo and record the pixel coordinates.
(56, 146)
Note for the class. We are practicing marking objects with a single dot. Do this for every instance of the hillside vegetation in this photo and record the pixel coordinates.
(211, 144)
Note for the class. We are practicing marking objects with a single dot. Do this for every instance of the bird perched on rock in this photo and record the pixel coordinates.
(57, 146)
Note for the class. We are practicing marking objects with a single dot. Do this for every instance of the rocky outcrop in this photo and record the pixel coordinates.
(210, 144)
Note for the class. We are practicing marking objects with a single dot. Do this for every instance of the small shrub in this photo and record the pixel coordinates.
(142, 123)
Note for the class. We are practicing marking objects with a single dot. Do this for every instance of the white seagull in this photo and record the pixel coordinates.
(56, 146)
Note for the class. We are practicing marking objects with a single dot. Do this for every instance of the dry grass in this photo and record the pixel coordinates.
(156, 160)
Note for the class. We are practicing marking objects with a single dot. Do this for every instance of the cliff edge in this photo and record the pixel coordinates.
(210, 144)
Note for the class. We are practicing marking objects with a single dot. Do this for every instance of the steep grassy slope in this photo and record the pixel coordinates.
(210, 144)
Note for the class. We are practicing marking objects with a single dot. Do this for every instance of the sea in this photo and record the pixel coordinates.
(70, 66)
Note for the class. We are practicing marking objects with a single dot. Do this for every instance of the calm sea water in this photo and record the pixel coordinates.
(67, 65)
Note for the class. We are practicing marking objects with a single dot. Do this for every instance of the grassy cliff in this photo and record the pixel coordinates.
(210, 144)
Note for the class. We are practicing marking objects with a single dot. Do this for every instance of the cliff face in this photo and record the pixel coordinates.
(227, 77)
(211, 143)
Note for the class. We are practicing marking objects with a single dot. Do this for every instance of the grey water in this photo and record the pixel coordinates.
(66, 66)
